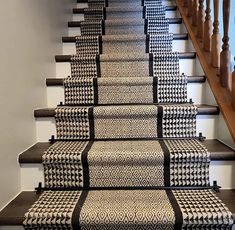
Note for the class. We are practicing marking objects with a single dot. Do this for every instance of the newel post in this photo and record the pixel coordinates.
(225, 54)
(215, 40)
(207, 28)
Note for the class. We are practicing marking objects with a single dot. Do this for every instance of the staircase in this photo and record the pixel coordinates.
(126, 129)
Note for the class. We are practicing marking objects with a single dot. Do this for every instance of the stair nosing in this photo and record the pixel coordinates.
(219, 152)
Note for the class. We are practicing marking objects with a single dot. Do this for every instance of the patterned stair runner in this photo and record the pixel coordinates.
(126, 154)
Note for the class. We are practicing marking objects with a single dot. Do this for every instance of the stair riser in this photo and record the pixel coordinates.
(55, 94)
(173, 28)
(31, 174)
(46, 127)
(11, 228)
(178, 46)
(189, 67)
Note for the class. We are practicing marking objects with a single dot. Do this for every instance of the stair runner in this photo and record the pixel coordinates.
(126, 156)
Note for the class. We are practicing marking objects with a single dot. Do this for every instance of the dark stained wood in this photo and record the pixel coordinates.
(60, 81)
(215, 40)
(183, 55)
(202, 110)
(183, 36)
(200, 18)
(218, 151)
(225, 54)
(185, 3)
(195, 12)
(73, 24)
(222, 95)
(233, 88)
(13, 213)
(207, 28)
(81, 10)
(190, 8)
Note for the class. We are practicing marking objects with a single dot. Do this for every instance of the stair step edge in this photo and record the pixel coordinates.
(60, 81)
(178, 36)
(13, 213)
(219, 152)
(202, 110)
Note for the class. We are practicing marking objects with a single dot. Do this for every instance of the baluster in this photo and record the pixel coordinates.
(225, 54)
(207, 27)
(186, 3)
(200, 27)
(195, 12)
(215, 40)
(233, 88)
(190, 8)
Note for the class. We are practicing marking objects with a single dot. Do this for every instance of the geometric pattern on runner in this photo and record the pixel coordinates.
(189, 163)
(87, 45)
(179, 121)
(202, 209)
(63, 164)
(161, 42)
(166, 64)
(79, 91)
(53, 210)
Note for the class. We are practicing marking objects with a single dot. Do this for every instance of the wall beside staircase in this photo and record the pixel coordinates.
(29, 37)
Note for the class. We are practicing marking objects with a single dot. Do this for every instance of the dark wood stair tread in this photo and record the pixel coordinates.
(81, 10)
(182, 55)
(60, 81)
(202, 110)
(218, 150)
(171, 21)
(13, 213)
(178, 36)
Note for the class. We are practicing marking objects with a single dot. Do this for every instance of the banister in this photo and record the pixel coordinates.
(225, 55)
(200, 26)
(195, 12)
(207, 28)
(215, 41)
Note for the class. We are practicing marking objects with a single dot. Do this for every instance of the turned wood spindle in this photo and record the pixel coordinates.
(195, 12)
(215, 40)
(207, 27)
(225, 54)
(186, 3)
(190, 8)
(201, 15)
(233, 88)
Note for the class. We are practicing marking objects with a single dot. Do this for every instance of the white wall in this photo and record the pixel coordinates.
(30, 36)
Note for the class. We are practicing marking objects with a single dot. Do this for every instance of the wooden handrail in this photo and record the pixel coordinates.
(222, 95)
(215, 40)
(225, 54)
(195, 12)
(200, 26)
(207, 28)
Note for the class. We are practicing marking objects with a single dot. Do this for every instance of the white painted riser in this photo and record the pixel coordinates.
(177, 46)
(31, 174)
(173, 28)
(55, 94)
(189, 67)
(46, 127)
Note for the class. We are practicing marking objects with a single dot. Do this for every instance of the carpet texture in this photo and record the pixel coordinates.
(126, 156)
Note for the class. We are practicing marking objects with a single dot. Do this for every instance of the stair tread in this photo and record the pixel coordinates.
(13, 213)
(60, 81)
(144, 57)
(202, 110)
(218, 150)
(178, 36)
(78, 23)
